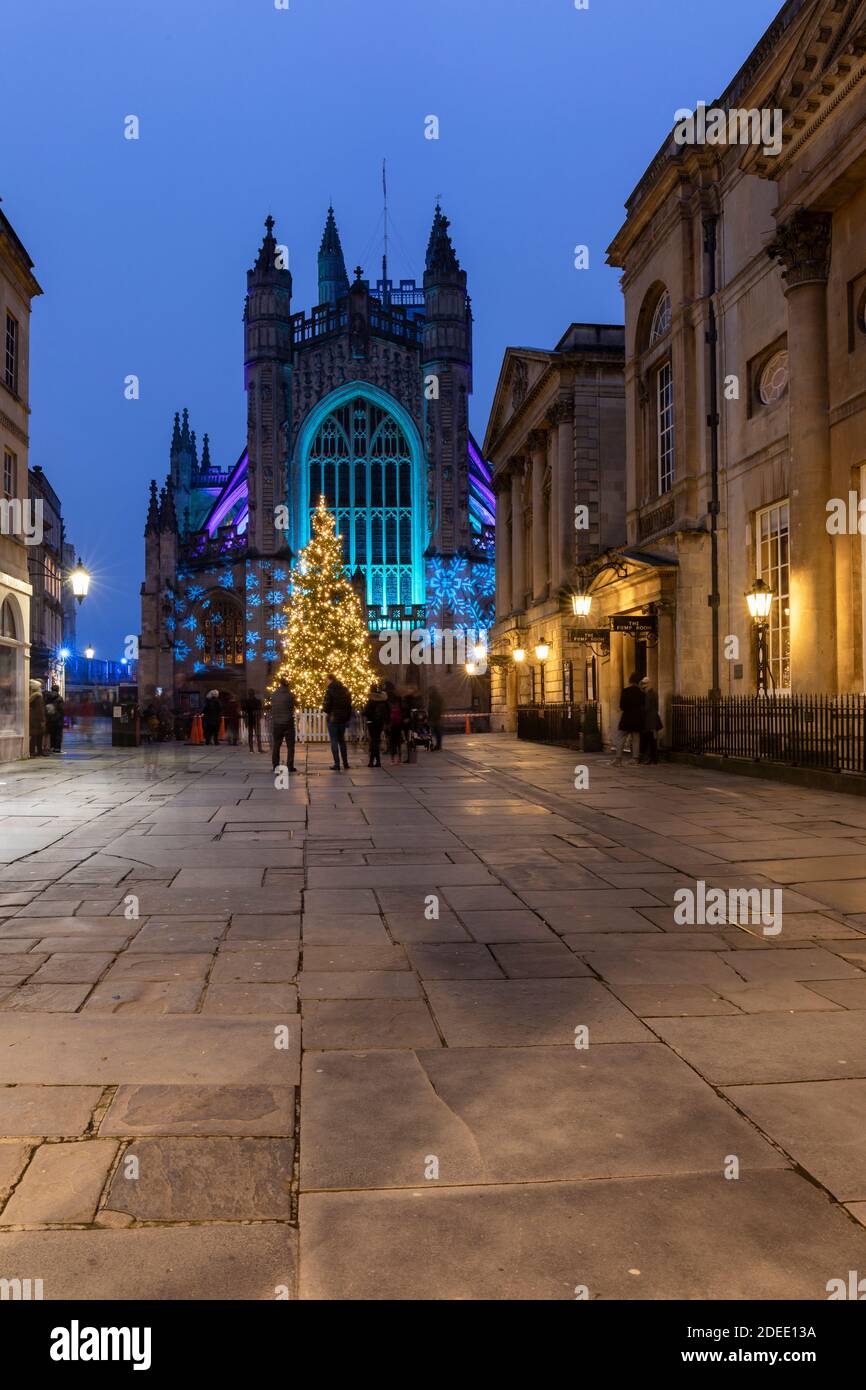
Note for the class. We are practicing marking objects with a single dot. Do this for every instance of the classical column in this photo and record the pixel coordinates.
(518, 570)
(802, 245)
(616, 681)
(562, 418)
(502, 487)
(538, 452)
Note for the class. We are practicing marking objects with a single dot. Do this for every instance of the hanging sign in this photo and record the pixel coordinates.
(637, 625)
(583, 635)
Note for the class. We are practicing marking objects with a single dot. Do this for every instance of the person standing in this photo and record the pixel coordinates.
(435, 710)
(253, 716)
(375, 713)
(631, 704)
(337, 705)
(283, 705)
(210, 718)
(394, 726)
(37, 720)
(54, 713)
(649, 746)
(233, 718)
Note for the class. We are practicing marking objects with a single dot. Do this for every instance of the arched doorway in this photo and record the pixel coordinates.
(11, 676)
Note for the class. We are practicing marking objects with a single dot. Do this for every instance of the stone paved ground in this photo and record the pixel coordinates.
(448, 1139)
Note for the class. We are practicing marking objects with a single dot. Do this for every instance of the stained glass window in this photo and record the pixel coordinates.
(361, 462)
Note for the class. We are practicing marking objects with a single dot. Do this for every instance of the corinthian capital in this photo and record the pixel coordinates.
(536, 441)
(802, 245)
(561, 411)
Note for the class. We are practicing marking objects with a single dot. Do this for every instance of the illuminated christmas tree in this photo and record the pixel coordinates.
(325, 629)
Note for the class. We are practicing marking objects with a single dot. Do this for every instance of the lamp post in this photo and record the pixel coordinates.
(581, 605)
(542, 652)
(89, 653)
(760, 602)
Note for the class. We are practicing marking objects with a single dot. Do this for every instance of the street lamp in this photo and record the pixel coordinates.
(581, 605)
(518, 654)
(760, 602)
(471, 668)
(80, 581)
(89, 653)
(542, 651)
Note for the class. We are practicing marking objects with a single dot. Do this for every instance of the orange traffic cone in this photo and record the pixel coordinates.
(196, 733)
(221, 736)
(468, 725)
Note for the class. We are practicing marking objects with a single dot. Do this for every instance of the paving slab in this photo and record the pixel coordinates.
(505, 1013)
(454, 961)
(506, 926)
(821, 1124)
(62, 1183)
(78, 1049)
(211, 1262)
(50, 1111)
(770, 1047)
(200, 1110)
(515, 1115)
(358, 984)
(216, 1179)
(378, 957)
(254, 967)
(773, 1235)
(271, 1000)
(368, 1023)
(13, 1160)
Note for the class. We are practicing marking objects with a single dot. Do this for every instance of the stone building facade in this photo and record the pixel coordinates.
(364, 401)
(744, 277)
(18, 288)
(556, 442)
(46, 568)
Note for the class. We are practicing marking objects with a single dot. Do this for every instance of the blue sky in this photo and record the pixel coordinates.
(548, 117)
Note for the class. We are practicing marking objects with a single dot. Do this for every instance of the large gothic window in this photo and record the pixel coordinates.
(360, 461)
(221, 626)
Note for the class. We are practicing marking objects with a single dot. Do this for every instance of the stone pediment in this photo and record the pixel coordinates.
(826, 63)
(521, 369)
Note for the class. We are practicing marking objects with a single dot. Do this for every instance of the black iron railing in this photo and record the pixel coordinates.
(816, 731)
(549, 723)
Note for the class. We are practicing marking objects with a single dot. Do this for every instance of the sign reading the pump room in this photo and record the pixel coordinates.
(639, 625)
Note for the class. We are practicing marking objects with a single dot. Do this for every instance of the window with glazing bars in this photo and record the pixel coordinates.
(360, 461)
(665, 426)
(11, 371)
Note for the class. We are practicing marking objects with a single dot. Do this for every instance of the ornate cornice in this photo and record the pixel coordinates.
(802, 245)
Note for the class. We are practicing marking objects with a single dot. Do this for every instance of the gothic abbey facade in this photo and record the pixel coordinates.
(364, 401)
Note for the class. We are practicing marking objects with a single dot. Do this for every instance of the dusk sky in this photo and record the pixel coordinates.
(548, 116)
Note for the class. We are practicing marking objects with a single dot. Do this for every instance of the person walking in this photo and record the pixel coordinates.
(375, 713)
(649, 744)
(37, 720)
(283, 705)
(54, 713)
(233, 718)
(337, 705)
(394, 726)
(253, 715)
(631, 704)
(210, 718)
(435, 710)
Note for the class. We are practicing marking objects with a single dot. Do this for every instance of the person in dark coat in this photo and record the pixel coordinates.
(376, 713)
(37, 720)
(649, 747)
(337, 705)
(232, 708)
(211, 716)
(394, 726)
(252, 708)
(54, 711)
(435, 710)
(283, 705)
(631, 704)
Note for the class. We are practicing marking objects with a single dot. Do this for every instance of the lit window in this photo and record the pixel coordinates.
(661, 318)
(773, 382)
(774, 567)
(222, 633)
(11, 371)
(665, 426)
